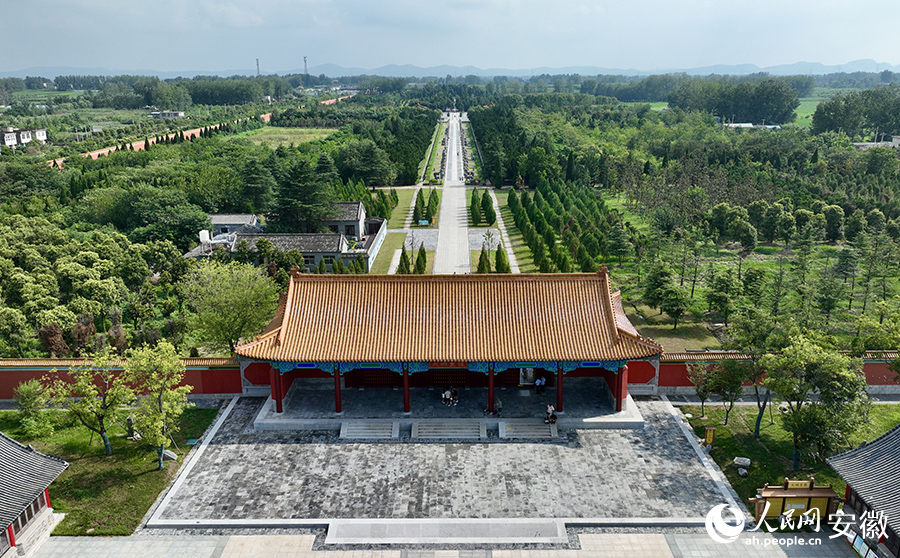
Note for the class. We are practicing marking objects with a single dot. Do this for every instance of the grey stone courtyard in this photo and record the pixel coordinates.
(250, 474)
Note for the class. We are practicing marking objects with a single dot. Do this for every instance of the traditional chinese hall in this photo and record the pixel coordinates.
(408, 334)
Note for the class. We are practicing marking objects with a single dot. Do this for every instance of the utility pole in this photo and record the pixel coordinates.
(305, 70)
(257, 67)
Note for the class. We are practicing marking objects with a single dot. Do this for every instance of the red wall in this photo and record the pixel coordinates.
(257, 373)
(205, 381)
(878, 374)
(210, 381)
(640, 372)
(675, 374)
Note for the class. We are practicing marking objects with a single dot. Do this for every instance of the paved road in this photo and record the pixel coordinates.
(452, 254)
(602, 545)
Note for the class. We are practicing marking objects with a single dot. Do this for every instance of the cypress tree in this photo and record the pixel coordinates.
(421, 261)
(338, 267)
(359, 266)
(501, 262)
(403, 267)
(476, 208)
(484, 261)
(487, 209)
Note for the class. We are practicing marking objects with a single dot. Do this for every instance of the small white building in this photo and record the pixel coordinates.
(11, 137)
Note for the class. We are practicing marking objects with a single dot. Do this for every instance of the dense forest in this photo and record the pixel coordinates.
(695, 218)
(801, 225)
(93, 253)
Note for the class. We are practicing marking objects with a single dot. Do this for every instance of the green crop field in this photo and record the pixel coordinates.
(275, 136)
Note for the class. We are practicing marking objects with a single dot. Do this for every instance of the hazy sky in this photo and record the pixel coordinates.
(218, 35)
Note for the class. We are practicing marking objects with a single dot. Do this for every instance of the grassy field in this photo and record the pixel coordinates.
(434, 162)
(523, 254)
(690, 335)
(103, 495)
(770, 455)
(392, 243)
(398, 216)
(44, 95)
(619, 203)
(473, 151)
(808, 104)
(275, 136)
(657, 105)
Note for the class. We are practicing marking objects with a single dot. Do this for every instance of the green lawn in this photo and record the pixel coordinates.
(770, 455)
(44, 95)
(619, 203)
(434, 162)
(398, 216)
(103, 495)
(392, 243)
(656, 105)
(691, 333)
(275, 136)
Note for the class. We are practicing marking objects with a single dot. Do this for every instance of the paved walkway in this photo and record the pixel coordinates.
(601, 545)
(407, 223)
(452, 254)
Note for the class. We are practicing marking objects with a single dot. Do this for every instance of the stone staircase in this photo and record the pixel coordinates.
(529, 429)
(370, 429)
(450, 429)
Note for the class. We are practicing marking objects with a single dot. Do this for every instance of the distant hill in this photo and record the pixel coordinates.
(407, 70)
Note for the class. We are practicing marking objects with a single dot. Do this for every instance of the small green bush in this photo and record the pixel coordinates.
(31, 399)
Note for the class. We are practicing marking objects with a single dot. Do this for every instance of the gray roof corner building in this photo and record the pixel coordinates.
(873, 471)
(24, 474)
(348, 211)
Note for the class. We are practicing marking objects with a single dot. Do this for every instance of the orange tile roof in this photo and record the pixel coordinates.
(427, 318)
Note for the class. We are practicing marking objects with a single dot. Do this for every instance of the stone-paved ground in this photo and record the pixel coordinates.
(477, 239)
(598, 473)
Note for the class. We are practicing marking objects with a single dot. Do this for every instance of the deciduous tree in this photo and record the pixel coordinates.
(156, 372)
(94, 393)
(229, 302)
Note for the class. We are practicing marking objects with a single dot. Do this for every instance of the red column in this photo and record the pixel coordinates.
(405, 390)
(559, 389)
(274, 383)
(11, 535)
(47, 497)
(337, 391)
(617, 390)
(491, 389)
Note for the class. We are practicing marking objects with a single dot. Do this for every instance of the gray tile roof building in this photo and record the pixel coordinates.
(873, 471)
(305, 243)
(24, 474)
(233, 218)
(348, 211)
